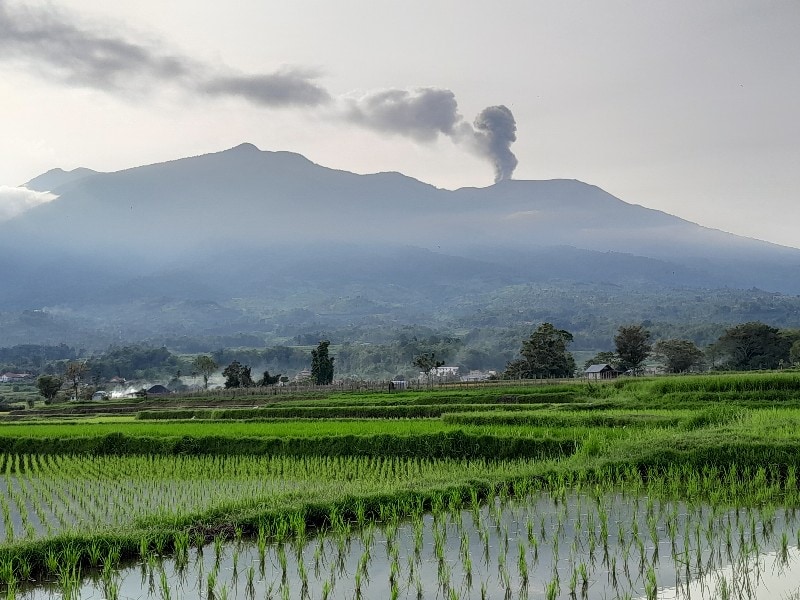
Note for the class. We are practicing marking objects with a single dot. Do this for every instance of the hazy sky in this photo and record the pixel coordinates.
(684, 106)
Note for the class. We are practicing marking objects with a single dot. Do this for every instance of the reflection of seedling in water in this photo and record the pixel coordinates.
(522, 565)
(164, 586)
(218, 545)
(250, 588)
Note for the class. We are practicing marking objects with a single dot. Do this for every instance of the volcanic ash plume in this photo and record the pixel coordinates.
(59, 44)
(424, 114)
(495, 131)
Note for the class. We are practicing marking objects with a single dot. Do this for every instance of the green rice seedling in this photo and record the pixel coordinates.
(467, 567)
(261, 544)
(784, 550)
(211, 583)
(151, 565)
(281, 528)
(326, 589)
(394, 570)
(219, 544)
(357, 584)
(463, 547)
(160, 541)
(318, 558)
(95, 552)
(51, 560)
(69, 580)
(552, 590)
(24, 570)
(164, 586)
(573, 582)
(250, 587)
(443, 573)
(522, 565)
(181, 547)
(612, 573)
(235, 562)
(109, 581)
(144, 547)
(7, 572)
(281, 552)
(302, 574)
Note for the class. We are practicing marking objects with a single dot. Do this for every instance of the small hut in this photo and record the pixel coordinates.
(602, 371)
(158, 390)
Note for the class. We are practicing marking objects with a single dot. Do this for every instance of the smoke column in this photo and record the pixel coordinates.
(495, 131)
(425, 113)
(57, 45)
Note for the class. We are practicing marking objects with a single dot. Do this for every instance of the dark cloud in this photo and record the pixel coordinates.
(422, 114)
(47, 40)
(55, 43)
(286, 88)
(495, 131)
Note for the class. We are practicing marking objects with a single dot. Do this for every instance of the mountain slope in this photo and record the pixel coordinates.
(246, 211)
(55, 178)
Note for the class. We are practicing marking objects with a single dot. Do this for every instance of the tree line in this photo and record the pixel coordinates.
(545, 354)
(744, 347)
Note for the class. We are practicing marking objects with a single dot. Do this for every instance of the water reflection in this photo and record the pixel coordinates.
(543, 546)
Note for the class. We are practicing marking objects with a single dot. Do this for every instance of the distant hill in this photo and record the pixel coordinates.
(250, 231)
(55, 178)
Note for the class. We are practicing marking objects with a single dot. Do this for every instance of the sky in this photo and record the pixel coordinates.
(688, 107)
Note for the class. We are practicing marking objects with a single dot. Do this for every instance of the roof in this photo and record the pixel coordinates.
(599, 368)
(158, 389)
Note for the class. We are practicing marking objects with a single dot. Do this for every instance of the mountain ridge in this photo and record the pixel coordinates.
(244, 200)
(272, 246)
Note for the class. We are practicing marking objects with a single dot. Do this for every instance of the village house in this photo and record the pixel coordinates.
(15, 377)
(602, 371)
(476, 375)
(439, 374)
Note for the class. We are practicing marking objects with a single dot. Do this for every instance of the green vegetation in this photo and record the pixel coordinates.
(322, 364)
(138, 486)
(544, 355)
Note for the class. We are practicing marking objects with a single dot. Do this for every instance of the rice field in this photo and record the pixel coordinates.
(48, 496)
(636, 489)
(568, 543)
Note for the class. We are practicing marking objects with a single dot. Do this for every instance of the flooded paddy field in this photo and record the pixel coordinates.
(667, 488)
(567, 545)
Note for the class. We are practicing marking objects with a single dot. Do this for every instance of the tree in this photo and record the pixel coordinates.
(322, 364)
(49, 386)
(544, 355)
(268, 379)
(206, 366)
(754, 345)
(633, 346)
(237, 376)
(426, 362)
(679, 355)
(74, 374)
(794, 353)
